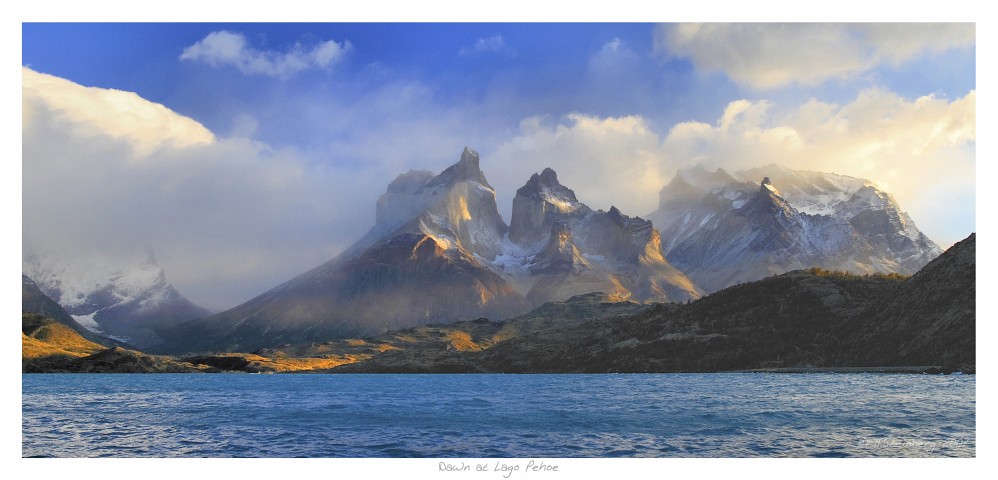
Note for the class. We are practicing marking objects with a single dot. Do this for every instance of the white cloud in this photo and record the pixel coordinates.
(921, 151)
(607, 161)
(227, 48)
(612, 59)
(484, 45)
(144, 125)
(765, 56)
(226, 218)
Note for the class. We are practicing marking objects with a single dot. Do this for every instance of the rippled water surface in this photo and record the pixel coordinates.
(644, 415)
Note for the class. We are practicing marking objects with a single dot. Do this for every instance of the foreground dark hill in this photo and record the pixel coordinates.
(806, 318)
(930, 319)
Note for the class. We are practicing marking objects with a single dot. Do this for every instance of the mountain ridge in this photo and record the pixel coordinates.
(722, 229)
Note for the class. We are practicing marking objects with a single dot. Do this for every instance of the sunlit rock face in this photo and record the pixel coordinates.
(723, 229)
(457, 207)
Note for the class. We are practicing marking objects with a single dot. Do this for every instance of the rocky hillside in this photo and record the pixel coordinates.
(930, 319)
(801, 319)
(33, 300)
(48, 346)
(46, 342)
(410, 280)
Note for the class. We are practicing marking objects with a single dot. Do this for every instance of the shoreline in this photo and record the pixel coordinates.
(923, 369)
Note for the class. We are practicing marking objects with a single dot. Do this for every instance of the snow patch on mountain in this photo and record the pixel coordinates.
(88, 322)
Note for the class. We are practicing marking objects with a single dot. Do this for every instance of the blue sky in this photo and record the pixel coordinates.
(279, 138)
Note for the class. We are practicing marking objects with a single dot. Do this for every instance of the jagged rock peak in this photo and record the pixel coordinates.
(469, 156)
(549, 176)
(560, 255)
(546, 187)
(466, 169)
(767, 187)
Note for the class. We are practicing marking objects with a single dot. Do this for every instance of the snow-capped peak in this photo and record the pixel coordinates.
(724, 229)
(457, 208)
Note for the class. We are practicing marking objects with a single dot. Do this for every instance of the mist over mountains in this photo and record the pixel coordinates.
(126, 298)
(440, 252)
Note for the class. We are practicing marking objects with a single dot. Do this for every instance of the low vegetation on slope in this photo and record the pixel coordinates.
(801, 319)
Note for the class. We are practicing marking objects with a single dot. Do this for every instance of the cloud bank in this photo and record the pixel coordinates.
(921, 151)
(226, 218)
(767, 56)
(225, 48)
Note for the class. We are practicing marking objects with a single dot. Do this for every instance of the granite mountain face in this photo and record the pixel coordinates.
(440, 252)
(723, 229)
(559, 247)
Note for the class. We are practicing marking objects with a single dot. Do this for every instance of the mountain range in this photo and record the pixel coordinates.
(439, 252)
(800, 321)
(722, 229)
